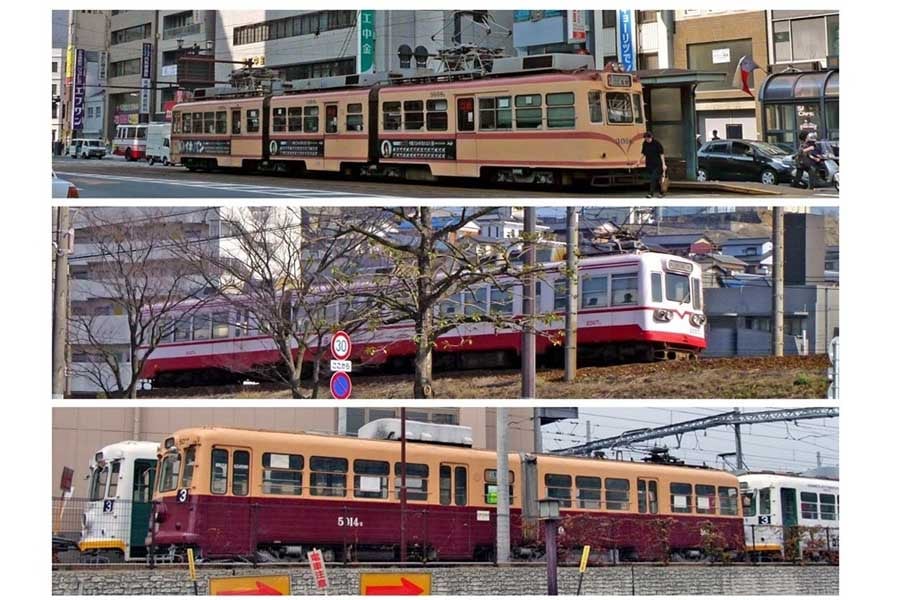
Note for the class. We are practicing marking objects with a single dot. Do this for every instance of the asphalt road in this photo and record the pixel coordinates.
(113, 177)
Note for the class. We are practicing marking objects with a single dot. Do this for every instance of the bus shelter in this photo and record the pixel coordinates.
(671, 109)
(795, 102)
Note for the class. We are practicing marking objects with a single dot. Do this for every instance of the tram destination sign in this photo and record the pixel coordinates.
(419, 149)
(205, 146)
(304, 148)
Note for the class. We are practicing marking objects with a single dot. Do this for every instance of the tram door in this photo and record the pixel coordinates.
(466, 144)
(141, 494)
(331, 129)
(230, 525)
(788, 507)
(452, 531)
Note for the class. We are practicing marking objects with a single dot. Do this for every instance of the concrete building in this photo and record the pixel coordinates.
(804, 39)
(85, 30)
(79, 432)
(179, 31)
(57, 88)
(129, 30)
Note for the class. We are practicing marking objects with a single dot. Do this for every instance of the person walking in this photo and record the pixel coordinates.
(655, 158)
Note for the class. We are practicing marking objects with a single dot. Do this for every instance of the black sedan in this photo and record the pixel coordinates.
(744, 160)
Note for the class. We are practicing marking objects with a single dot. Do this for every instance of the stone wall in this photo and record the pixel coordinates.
(618, 580)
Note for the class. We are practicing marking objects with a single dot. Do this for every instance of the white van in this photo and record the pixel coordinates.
(85, 148)
(159, 136)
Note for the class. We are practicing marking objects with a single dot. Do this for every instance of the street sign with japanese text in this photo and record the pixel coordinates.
(341, 365)
(365, 53)
(625, 37)
(78, 92)
(395, 584)
(268, 585)
(317, 565)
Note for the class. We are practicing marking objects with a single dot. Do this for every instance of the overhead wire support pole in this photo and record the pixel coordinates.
(738, 448)
(60, 301)
(529, 359)
(778, 281)
(403, 548)
(502, 486)
(571, 358)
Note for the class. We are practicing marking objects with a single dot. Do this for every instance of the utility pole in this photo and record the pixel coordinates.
(403, 553)
(778, 281)
(60, 301)
(528, 341)
(538, 432)
(502, 487)
(571, 293)
(587, 432)
(738, 450)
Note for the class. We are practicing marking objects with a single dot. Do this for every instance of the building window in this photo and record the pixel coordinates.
(131, 34)
(125, 67)
(310, 23)
(325, 68)
(55, 67)
(647, 16)
(608, 17)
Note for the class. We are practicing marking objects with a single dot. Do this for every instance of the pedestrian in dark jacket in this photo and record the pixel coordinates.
(655, 157)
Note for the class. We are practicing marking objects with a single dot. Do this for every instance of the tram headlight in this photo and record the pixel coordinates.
(662, 314)
(697, 320)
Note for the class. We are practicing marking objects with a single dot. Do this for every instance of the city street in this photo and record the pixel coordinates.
(113, 177)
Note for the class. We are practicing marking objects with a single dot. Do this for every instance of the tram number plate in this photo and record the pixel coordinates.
(419, 149)
(349, 522)
(765, 520)
(108, 506)
(182, 495)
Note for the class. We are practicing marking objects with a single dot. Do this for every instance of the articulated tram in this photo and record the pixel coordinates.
(548, 120)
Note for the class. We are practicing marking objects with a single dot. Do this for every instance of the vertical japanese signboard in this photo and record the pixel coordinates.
(78, 91)
(626, 43)
(146, 64)
(577, 30)
(365, 54)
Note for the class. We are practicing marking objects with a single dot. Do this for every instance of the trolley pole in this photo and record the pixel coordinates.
(738, 448)
(538, 433)
(571, 293)
(502, 487)
(778, 281)
(60, 301)
(528, 290)
(403, 553)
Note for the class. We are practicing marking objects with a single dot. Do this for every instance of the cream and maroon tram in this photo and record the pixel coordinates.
(548, 119)
(632, 307)
(233, 493)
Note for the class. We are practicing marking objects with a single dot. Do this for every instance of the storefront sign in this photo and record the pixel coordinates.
(625, 37)
(577, 29)
(169, 71)
(365, 56)
(146, 63)
(304, 148)
(721, 55)
(101, 67)
(419, 149)
(78, 91)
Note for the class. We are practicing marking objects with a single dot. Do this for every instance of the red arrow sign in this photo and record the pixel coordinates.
(406, 588)
(261, 590)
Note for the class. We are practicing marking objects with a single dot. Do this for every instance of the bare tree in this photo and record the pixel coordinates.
(428, 267)
(286, 269)
(137, 285)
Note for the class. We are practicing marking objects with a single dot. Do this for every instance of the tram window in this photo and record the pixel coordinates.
(282, 474)
(328, 476)
(728, 503)
(828, 507)
(450, 307)
(561, 110)
(501, 301)
(656, 287)
(697, 293)
(416, 481)
(809, 505)
(186, 123)
(113, 479)
(529, 113)
(354, 117)
(619, 108)
(618, 493)
(647, 497)
(392, 118)
(219, 472)
(176, 122)
(295, 118)
(474, 301)
(465, 114)
(98, 482)
(253, 120)
(460, 486)
(560, 488)
(209, 122)
(201, 327)
(491, 489)
(624, 289)
(221, 122)
(168, 478)
(638, 108)
(678, 288)
(706, 499)
(220, 325)
(495, 113)
(279, 119)
(331, 118)
(595, 104)
(310, 119)
(765, 501)
(681, 497)
(240, 473)
(594, 292)
(749, 500)
(197, 119)
(436, 117)
(413, 115)
(589, 491)
(183, 329)
(236, 122)
(560, 294)
(445, 484)
(242, 323)
(370, 478)
(190, 461)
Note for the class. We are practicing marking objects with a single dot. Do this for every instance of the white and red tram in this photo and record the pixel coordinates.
(637, 307)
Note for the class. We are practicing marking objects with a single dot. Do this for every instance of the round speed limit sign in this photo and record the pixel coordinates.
(341, 346)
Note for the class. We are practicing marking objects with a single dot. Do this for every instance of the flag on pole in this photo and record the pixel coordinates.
(745, 67)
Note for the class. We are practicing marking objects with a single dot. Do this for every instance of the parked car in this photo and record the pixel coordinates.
(63, 188)
(744, 160)
(85, 148)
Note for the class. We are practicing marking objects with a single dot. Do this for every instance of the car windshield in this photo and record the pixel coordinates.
(770, 149)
